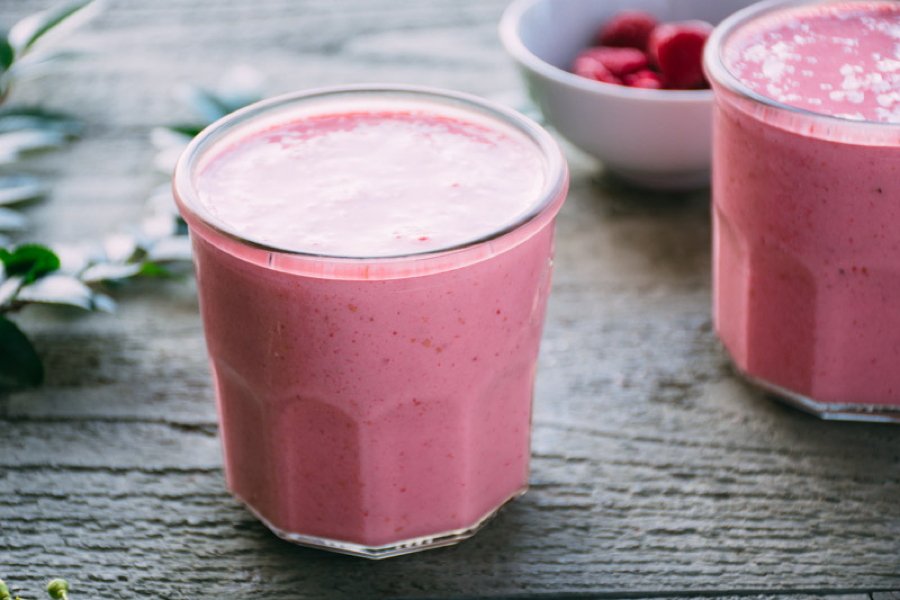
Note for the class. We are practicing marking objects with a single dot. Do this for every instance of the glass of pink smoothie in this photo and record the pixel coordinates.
(373, 267)
(806, 202)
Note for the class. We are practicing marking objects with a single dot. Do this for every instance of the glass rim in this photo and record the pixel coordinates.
(718, 73)
(549, 197)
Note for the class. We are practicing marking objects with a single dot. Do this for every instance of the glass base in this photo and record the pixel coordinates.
(407, 546)
(836, 411)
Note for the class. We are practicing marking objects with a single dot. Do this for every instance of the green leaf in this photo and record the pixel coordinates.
(103, 303)
(30, 261)
(170, 248)
(35, 118)
(207, 104)
(18, 188)
(151, 269)
(239, 87)
(171, 145)
(109, 271)
(7, 54)
(58, 289)
(14, 143)
(20, 365)
(169, 137)
(156, 226)
(11, 220)
(34, 63)
(186, 130)
(119, 247)
(29, 30)
(8, 291)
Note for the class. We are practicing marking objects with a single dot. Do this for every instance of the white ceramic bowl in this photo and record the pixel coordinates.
(653, 138)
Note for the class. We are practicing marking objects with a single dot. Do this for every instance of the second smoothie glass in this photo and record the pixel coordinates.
(806, 242)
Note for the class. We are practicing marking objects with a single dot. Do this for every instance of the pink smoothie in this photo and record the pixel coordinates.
(375, 405)
(806, 188)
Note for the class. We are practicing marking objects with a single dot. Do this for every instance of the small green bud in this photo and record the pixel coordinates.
(58, 588)
(4, 591)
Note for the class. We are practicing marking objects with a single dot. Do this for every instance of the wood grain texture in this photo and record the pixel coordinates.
(656, 473)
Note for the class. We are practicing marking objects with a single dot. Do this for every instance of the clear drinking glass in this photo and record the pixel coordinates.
(805, 205)
(374, 405)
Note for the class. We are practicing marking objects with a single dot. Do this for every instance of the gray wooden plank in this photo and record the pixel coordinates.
(656, 473)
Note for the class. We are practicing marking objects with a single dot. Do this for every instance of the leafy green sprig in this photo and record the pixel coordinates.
(57, 589)
(237, 88)
(27, 130)
(81, 274)
(78, 275)
(18, 53)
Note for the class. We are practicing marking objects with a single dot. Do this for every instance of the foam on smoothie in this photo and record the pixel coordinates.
(840, 59)
(372, 184)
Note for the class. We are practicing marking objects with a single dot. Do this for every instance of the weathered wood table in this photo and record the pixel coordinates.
(656, 472)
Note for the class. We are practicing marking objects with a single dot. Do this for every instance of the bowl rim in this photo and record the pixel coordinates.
(509, 28)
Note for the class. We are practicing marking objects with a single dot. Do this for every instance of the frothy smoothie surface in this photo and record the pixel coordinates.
(372, 184)
(840, 59)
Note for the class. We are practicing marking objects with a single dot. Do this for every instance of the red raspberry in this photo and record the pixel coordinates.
(619, 61)
(628, 28)
(677, 50)
(588, 66)
(645, 78)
